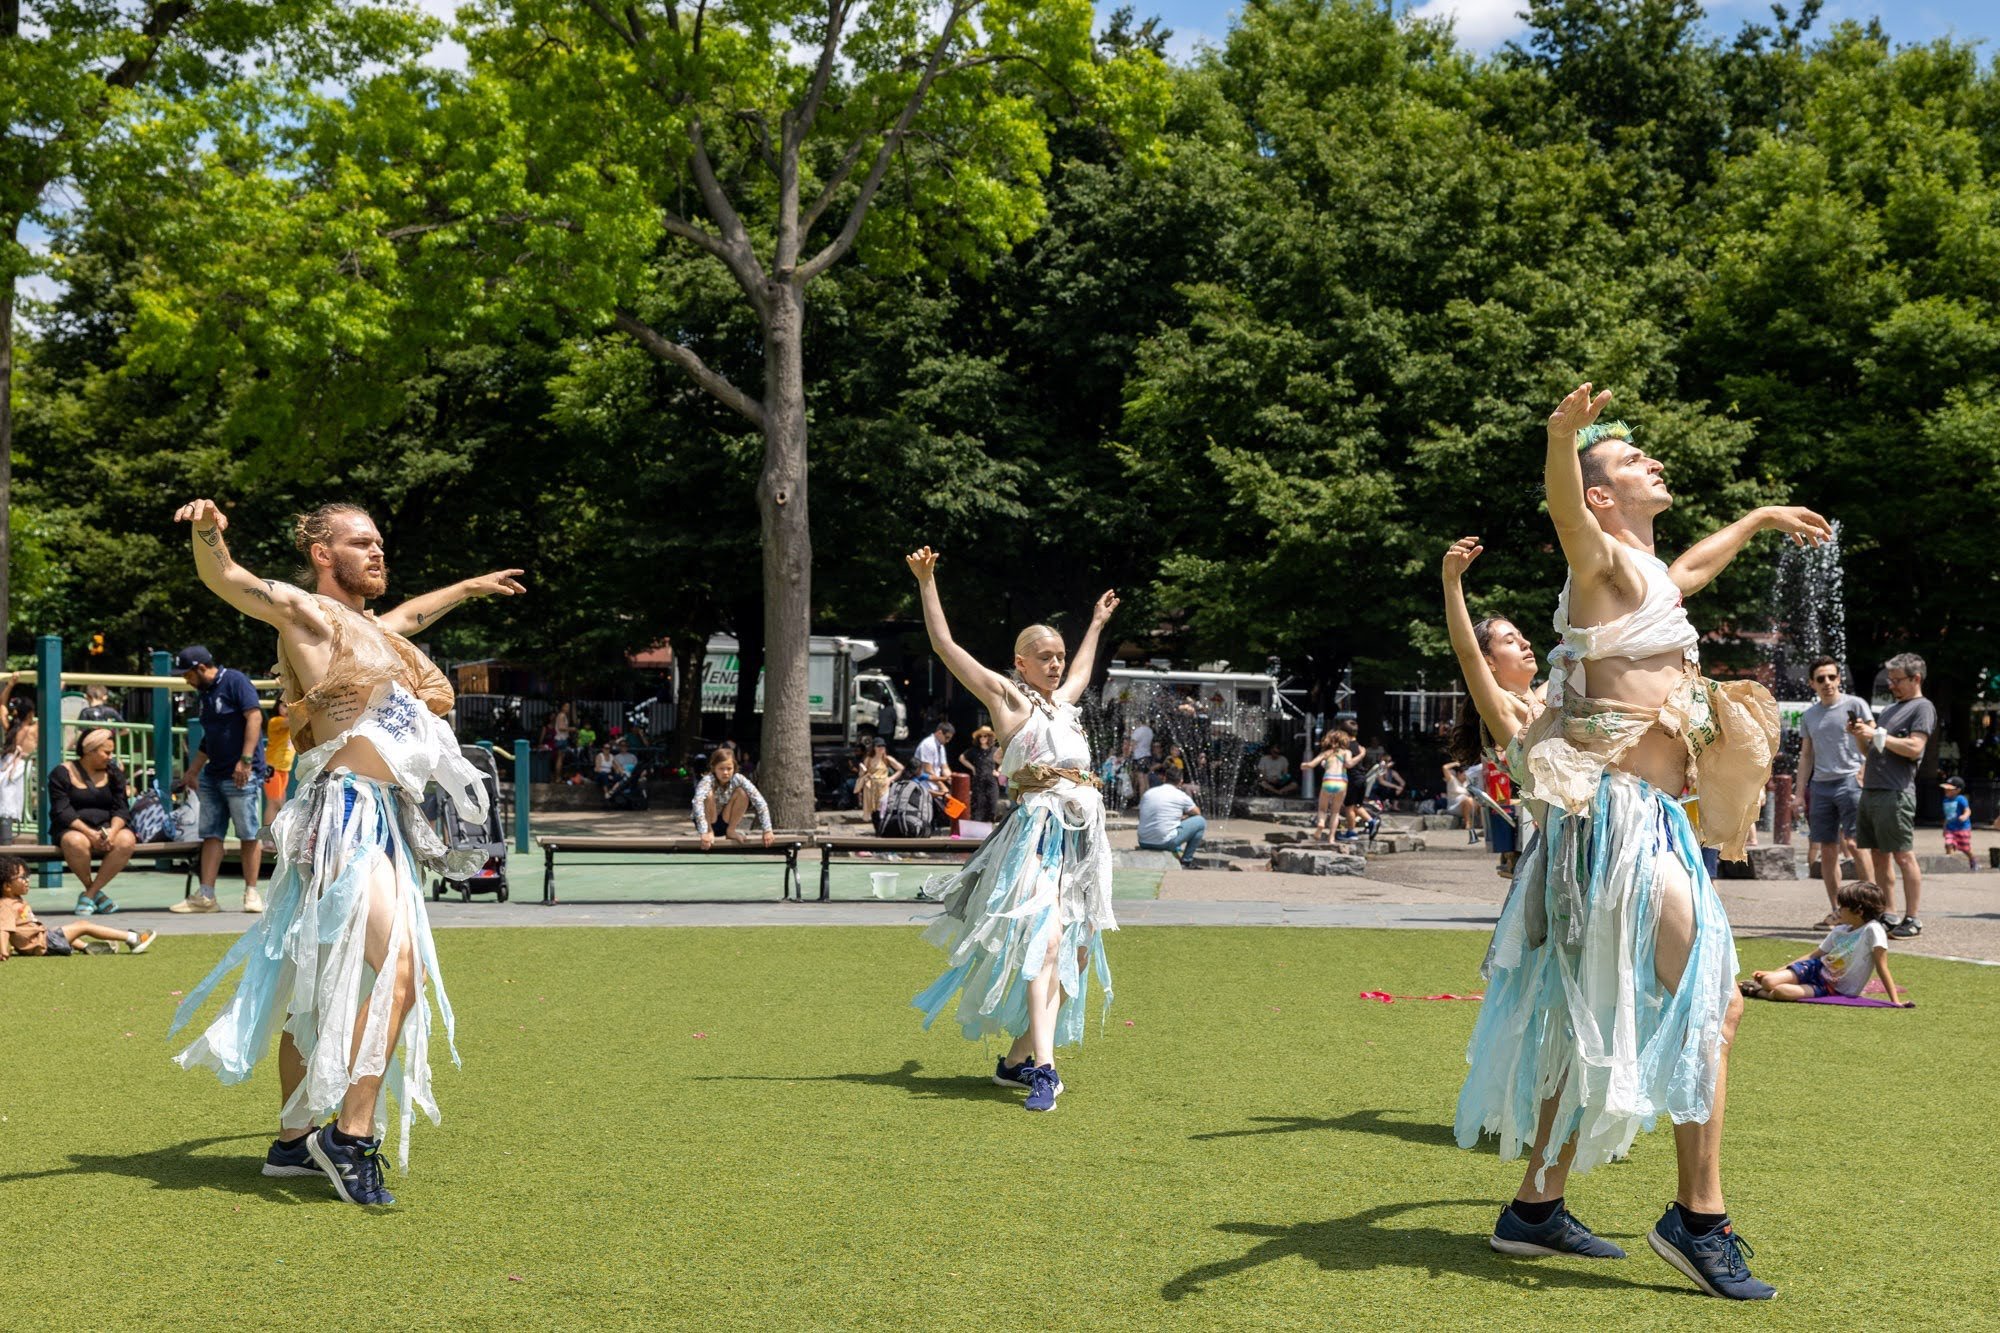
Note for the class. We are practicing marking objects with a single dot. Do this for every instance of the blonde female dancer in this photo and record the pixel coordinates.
(1023, 921)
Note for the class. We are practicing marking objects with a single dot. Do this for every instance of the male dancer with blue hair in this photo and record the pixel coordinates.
(1612, 995)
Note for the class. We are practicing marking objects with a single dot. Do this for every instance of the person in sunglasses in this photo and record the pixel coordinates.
(1830, 762)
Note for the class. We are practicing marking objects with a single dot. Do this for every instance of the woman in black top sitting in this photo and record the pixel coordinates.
(88, 812)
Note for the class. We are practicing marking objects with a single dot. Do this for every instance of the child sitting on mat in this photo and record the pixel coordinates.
(22, 932)
(1844, 959)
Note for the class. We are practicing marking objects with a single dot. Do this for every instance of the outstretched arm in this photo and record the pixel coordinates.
(1700, 563)
(1497, 709)
(1583, 541)
(1085, 660)
(991, 687)
(426, 609)
(267, 600)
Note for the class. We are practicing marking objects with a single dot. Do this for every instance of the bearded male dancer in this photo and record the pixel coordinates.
(341, 956)
(1612, 976)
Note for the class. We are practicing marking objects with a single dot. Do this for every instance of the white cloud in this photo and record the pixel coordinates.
(1481, 25)
(447, 54)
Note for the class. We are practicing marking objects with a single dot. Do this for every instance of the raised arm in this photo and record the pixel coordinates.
(990, 686)
(1499, 710)
(267, 600)
(1700, 563)
(1583, 541)
(1080, 666)
(426, 609)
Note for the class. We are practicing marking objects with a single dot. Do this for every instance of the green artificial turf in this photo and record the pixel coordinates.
(744, 1128)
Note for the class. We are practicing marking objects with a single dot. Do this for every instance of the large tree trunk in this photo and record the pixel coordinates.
(785, 769)
(7, 443)
(691, 652)
(744, 726)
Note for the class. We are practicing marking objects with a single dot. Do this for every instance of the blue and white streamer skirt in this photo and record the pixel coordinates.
(304, 964)
(1044, 874)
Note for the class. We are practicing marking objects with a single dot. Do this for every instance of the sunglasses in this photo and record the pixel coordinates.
(1817, 679)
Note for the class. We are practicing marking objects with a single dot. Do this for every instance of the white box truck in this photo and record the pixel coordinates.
(840, 698)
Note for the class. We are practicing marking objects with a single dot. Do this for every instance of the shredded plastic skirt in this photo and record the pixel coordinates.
(305, 968)
(1574, 1008)
(1044, 874)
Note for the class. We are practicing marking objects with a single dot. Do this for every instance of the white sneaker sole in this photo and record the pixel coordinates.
(144, 944)
(1681, 1265)
(1522, 1249)
(270, 1170)
(188, 906)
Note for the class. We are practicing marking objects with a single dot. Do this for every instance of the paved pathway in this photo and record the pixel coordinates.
(1449, 886)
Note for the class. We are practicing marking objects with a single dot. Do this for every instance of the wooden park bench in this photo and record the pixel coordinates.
(644, 851)
(832, 846)
(166, 857)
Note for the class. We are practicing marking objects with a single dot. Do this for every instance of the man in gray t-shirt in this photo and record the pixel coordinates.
(1830, 777)
(1894, 744)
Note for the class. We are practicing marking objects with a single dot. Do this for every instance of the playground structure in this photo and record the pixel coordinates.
(152, 752)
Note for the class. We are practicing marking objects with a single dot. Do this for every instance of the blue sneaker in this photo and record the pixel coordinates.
(354, 1168)
(289, 1159)
(1714, 1262)
(1561, 1234)
(1012, 1076)
(86, 905)
(1043, 1088)
(105, 907)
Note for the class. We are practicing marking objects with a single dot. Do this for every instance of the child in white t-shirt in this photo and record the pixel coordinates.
(1843, 961)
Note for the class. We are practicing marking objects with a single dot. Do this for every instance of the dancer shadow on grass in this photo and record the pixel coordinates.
(179, 1166)
(1354, 1122)
(955, 1087)
(1360, 1244)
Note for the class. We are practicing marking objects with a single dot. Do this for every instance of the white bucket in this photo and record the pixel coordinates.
(882, 883)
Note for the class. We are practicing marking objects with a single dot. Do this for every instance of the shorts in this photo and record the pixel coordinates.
(275, 785)
(1500, 835)
(1812, 972)
(1888, 821)
(223, 802)
(720, 828)
(1958, 840)
(1832, 810)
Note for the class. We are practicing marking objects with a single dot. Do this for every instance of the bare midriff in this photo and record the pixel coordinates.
(1659, 757)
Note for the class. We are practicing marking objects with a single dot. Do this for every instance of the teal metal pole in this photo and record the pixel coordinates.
(163, 725)
(48, 702)
(523, 775)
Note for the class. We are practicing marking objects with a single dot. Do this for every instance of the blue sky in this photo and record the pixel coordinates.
(1486, 25)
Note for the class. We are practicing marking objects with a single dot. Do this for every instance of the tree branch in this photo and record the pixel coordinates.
(842, 243)
(836, 18)
(715, 384)
(833, 184)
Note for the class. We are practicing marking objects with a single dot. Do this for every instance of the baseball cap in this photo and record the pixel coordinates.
(192, 656)
(1957, 782)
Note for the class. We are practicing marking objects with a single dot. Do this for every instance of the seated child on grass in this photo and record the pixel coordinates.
(1844, 959)
(22, 932)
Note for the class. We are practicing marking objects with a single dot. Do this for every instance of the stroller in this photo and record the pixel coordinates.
(459, 835)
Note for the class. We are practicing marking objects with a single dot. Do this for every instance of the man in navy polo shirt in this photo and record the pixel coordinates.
(227, 772)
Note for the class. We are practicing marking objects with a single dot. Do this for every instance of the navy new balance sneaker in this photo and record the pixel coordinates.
(1714, 1262)
(354, 1168)
(1012, 1076)
(1043, 1088)
(1561, 1234)
(289, 1159)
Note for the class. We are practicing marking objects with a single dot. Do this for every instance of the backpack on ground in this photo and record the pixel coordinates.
(907, 811)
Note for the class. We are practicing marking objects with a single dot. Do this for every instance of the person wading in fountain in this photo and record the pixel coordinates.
(1612, 998)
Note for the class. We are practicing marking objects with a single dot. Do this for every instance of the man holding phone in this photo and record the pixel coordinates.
(1894, 743)
(1830, 762)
